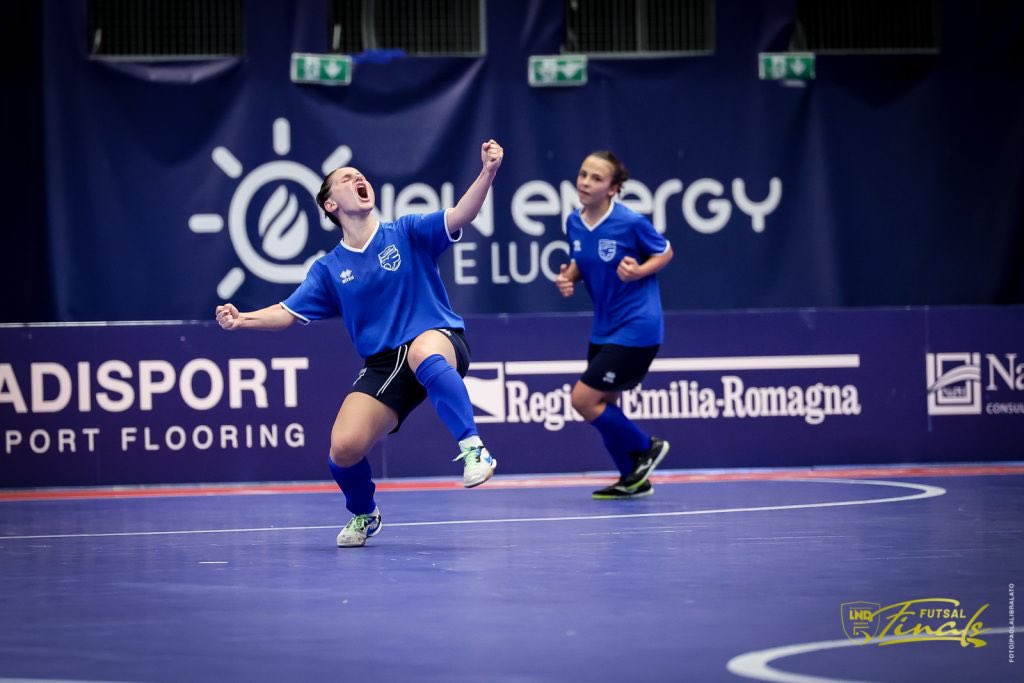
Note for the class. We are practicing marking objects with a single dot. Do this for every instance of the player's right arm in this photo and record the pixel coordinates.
(274, 317)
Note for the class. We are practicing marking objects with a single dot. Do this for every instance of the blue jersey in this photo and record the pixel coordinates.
(625, 313)
(389, 291)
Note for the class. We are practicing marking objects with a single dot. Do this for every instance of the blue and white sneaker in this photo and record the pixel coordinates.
(478, 463)
(360, 528)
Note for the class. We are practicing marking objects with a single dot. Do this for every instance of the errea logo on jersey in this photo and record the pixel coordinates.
(347, 276)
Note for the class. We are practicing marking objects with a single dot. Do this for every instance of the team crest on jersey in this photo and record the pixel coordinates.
(390, 259)
(606, 249)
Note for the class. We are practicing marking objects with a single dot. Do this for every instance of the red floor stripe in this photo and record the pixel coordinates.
(511, 482)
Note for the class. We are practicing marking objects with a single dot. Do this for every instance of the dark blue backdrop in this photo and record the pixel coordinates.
(897, 180)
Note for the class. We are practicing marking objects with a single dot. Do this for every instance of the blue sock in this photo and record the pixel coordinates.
(621, 437)
(447, 392)
(357, 485)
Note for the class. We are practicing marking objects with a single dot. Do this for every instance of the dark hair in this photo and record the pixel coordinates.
(323, 194)
(619, 172)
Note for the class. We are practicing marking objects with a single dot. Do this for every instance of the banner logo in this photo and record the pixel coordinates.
(485, 383)
(954, 383)
(202, 397)
(274, 248)
(860, 619)
(272, 218)
(914, 621)
(540, 392)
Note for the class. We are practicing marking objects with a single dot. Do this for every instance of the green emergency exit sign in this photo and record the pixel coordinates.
(558, 70)
(788, 66)
(321, 69)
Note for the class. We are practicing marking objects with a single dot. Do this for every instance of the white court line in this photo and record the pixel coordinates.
(924, 491)
(757, 665)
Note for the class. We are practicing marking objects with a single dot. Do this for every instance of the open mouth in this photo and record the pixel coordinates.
(362, 191)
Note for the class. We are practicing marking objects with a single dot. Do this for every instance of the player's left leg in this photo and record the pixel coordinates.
(620, 435)
(439, 358)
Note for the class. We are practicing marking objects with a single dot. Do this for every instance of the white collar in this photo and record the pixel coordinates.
(592, 228)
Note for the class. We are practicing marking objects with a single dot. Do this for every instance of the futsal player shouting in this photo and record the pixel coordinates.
(616, 252)
(383, 280)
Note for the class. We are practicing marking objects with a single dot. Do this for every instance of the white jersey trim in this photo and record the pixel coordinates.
(592, 228)
(452, 238)
(302, 319)
(367, 244)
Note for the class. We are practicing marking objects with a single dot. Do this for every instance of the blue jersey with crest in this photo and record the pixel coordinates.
(625, 313)
(389, 291)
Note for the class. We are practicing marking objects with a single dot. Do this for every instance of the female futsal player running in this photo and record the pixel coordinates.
(382, 279)
(616, 252)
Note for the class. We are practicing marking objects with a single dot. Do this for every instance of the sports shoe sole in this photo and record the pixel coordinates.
(628, 496)
(490, 473)
(351, 545)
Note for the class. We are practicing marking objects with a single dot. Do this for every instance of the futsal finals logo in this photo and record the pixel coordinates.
(280, 196)
(914, 621)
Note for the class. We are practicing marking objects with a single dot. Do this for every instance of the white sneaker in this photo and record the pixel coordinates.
(479, 465)
(359, 529)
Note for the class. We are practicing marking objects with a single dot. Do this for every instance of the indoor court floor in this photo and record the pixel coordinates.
(720, 576)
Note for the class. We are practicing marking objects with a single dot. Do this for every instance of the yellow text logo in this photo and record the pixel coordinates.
(913, 621)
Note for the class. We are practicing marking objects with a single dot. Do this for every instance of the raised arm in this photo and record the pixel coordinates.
(467, 208)
(274, 317)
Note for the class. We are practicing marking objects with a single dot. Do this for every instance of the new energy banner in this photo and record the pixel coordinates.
(175, 186)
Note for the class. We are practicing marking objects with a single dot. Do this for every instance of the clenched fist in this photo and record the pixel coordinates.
(227, 316)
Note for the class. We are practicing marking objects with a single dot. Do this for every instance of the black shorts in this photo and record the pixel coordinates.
(611, 367)
(388, 378)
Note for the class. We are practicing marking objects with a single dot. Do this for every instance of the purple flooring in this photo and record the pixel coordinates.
(533, 584)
